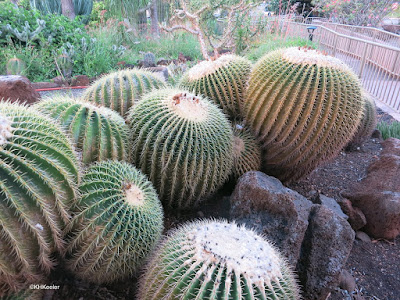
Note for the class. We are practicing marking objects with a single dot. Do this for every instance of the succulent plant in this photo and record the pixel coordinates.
(246, 151)
(65, 64)
(119, 219)
(100, 133)
(149, 59)
(216, 260)
(223, 81)
(81, 7)
(183, 143)
(27, 35)
(15, 66)
(39, 176)
(367, 124)
(120, 90)
(303, 106)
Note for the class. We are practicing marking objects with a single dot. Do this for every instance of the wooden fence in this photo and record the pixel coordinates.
(372, 53)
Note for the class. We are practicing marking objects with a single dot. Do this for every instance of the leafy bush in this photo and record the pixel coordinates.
(391, 130)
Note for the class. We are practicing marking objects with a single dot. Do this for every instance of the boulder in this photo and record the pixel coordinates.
(324, 252)
(378, 195)
(263, 203)
(356, 218)
(80, 80)
(17, 88)
(329, 203)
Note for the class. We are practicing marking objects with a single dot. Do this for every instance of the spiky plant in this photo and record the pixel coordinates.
(38, 179)
(120, 90)
(367, 124)
(304, 106)
(15, 66)
(222, 80)
(246, 151)
(119, 219)
(99, 133)
(183, 143)
(26, 294)
(216, 260)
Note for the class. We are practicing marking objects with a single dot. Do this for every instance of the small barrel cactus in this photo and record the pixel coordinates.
(15, 66)
(120, 90)
(223, 81)
(118, 222)
(217, 260)
(246, 151)
(99, 133)
(367, 124)
(303, 106)
(183, 143)
(39, 176)
(149, 60)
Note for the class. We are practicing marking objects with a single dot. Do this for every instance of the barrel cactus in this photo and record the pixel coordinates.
(304, 106)
(39, 176)
(367, 124)
(119, 219)
(246, 151)
(222, 80)
(99, 133)
(120, 90)
(15, 66)
(183, 143)
(217, 260)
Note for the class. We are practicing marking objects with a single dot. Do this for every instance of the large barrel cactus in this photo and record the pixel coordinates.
(38, 184)
(119, 219)
(304, 106)
(120, 90)
(246, 151)
(217, 260)
(222, 80)
(99, 133)
(367, 124)
(183, 143)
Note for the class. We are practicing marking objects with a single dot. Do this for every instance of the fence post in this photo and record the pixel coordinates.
(363, 58)
(335, 44)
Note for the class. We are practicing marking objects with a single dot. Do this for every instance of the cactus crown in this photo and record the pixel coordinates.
(188, 106)
(5, 130)
(308, 56)
(207, 67)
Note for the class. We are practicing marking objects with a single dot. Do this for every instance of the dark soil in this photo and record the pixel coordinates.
(374, 265)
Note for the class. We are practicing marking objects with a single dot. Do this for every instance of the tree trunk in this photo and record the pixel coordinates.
(67, 7)
(155, 28)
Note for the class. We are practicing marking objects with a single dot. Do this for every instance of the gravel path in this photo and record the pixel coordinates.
(75, 93)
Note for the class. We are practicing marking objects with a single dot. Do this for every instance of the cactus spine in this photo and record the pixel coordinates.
(216, 260)
(39, 174)
(15, 66)
(120, 90)
(119, 219)
(304, 107)
(246, 151)
(223, 81)
(183, 143)
(98, 132)
(368, 122)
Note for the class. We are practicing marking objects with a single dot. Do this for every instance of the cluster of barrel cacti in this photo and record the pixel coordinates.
(87, 178)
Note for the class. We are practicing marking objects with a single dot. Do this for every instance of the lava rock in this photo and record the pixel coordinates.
(378, 195)
(263, 203)
(17, 88)
(324, 252)
(391, 146)
(362, 236)
(347, 281)
(80, 80)
(329, 203)
(163, 71)
(356, 218)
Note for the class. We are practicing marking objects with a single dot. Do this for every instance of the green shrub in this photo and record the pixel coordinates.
(389, 130)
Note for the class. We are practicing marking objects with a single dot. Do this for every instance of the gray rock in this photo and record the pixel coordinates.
(162, 71)
(347, 281)
(332, 205)
(263, 203)
(362, 236)
(324, 252)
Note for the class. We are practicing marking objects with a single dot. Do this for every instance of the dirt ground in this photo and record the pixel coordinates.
(374, 265)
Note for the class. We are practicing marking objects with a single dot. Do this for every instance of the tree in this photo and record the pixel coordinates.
(67, 8)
